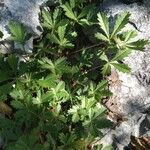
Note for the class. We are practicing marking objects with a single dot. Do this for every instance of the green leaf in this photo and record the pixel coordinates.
(137, 45)
(122, 67)
(4, 90)
(75, 117)
(102, 123)
(53, 38)
(48, 22)
(101, 37)
(122, 54)
(68, 12)
(84, 12)
(104, 23)
(104, 57)
(1, 34)
(120, 23)
(4, 76)
(17, 104)
(53, 20)
(106, 69)
(18, 32)
(128, 35)
(49, 81)
(102, 85)
(17, 94)
(59, 93)
(13, 62)
(61, 32)
(60, 39)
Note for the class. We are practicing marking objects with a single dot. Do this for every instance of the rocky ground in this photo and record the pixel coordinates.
(131, 100)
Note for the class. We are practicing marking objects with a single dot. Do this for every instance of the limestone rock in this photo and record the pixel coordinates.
(133, 94)
(22, 11)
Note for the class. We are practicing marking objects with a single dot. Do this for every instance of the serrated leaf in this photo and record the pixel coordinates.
(106, 69)
(48, 22)
(72, 3)
(104, 23)
(53, 38)
(122, 67)
(84, 12)
(13, 62)
(60, 39)
(60, 86)
(120, 23)
(18, 32)
(137, 45)
(68, 12)
(101, 37)
(122, 54)
(56, 14)
(49, 81)
(102, 85)
(104, 57)
(128, 35)
(61, 32)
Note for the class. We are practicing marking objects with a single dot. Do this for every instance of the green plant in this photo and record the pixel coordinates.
(122, 43)
(56, 94)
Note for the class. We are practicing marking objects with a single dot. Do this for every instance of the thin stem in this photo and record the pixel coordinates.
(96, 45)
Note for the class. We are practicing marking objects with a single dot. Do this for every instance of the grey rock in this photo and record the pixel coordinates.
(134, 92)
(22, 11)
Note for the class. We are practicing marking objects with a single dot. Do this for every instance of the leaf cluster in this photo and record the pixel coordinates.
(56, 92)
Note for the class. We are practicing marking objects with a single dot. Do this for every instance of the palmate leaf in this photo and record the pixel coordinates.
(53, 20)
(60, 39)
(104, 23)
(137, 45)
(48, 22)
(18, 32)
(69, 12)
(49, 81)
(59, 93)
(57, 67)
(120, 23)
(121, 67)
